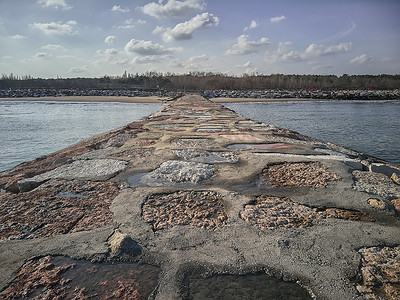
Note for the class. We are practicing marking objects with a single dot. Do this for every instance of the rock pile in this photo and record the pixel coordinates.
(375, 183)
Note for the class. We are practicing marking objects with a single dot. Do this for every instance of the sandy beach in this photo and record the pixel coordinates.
(150, 99)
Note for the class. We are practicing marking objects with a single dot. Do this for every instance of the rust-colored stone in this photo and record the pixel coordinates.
(57, 206)
(202, 209)
(304, 174)
(270, 213)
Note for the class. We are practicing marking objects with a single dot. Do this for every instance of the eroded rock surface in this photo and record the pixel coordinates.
(310, 174)
(375, 183)
(380, 273)
(56, 207)
(178, 172)
(269, 213)
(203, 209)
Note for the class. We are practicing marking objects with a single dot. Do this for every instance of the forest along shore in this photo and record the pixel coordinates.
(196, 201)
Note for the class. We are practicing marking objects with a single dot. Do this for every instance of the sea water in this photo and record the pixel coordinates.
(29, 129)
(372, 127)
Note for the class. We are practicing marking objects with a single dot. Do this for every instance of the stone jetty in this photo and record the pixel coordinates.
(198, 202)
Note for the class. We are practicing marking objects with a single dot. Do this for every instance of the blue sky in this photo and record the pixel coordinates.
(91, 38)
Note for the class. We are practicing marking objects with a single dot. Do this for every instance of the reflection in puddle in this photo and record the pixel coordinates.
(259, 146)
(251, 286)
(69, 195)
(64, 278)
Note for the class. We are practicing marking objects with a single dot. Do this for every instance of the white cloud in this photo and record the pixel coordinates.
(129, 24)
(18, 37)
(147, 59)
(55, 3)
(184, 31)
(110, 39)
(173, 8)
(252, 25)
(286, 53)
(111, 56)
(79, 69)
(243, 46)
(55, 28)
(40, 55)
(146, 48)
(52, 47)
(362, 59)
(248, 64)
(119, 9)
(277, 19)
(319, 49)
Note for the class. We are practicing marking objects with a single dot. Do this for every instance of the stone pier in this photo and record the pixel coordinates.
(198, 202)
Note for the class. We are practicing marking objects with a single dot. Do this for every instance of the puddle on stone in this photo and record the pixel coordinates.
(249, 286)
(64, 278)
(259, 146)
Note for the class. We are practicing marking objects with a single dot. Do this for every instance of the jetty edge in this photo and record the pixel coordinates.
(196, 196)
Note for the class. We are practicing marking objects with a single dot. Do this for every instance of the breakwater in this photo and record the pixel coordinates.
(195, 198)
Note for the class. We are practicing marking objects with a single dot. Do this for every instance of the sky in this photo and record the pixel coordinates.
(93, 38)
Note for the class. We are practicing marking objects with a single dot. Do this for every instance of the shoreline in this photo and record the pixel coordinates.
(231, 100)
(122, 99)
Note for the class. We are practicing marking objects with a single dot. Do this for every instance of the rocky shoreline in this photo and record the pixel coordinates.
(197, 201)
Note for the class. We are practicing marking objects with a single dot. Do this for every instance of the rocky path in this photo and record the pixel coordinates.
(197, 202)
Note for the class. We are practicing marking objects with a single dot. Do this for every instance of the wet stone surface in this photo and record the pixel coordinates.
(375, 183)
(203, 209)
(269, 213)
(56, 207)
(380, 273)
(249, 286)
(310, 174)
(63, 278)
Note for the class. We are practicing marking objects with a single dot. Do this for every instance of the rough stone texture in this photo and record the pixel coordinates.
(270, 213)
(377, 203)
(178, 172)
(396, 203)
(375, 183)
(380, 273)
(310, 174)
(203, 209)
(121, 243)
(205, 156)
(118, 140)
(62, 278)
(395, 177)
(56, 207)
(192, 142)
(81, 169)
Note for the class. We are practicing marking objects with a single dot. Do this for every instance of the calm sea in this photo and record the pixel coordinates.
(372, 127)
(30, 129)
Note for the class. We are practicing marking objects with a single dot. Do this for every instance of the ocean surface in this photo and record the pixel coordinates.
(30, 129)
(372, 127)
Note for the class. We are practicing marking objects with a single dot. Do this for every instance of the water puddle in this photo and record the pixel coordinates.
(250, 286)
(272, 146)
(64, 278)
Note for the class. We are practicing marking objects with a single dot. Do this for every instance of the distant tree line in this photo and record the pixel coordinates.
(195, 81)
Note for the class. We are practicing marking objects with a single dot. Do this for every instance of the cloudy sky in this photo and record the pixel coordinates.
(91, 38)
